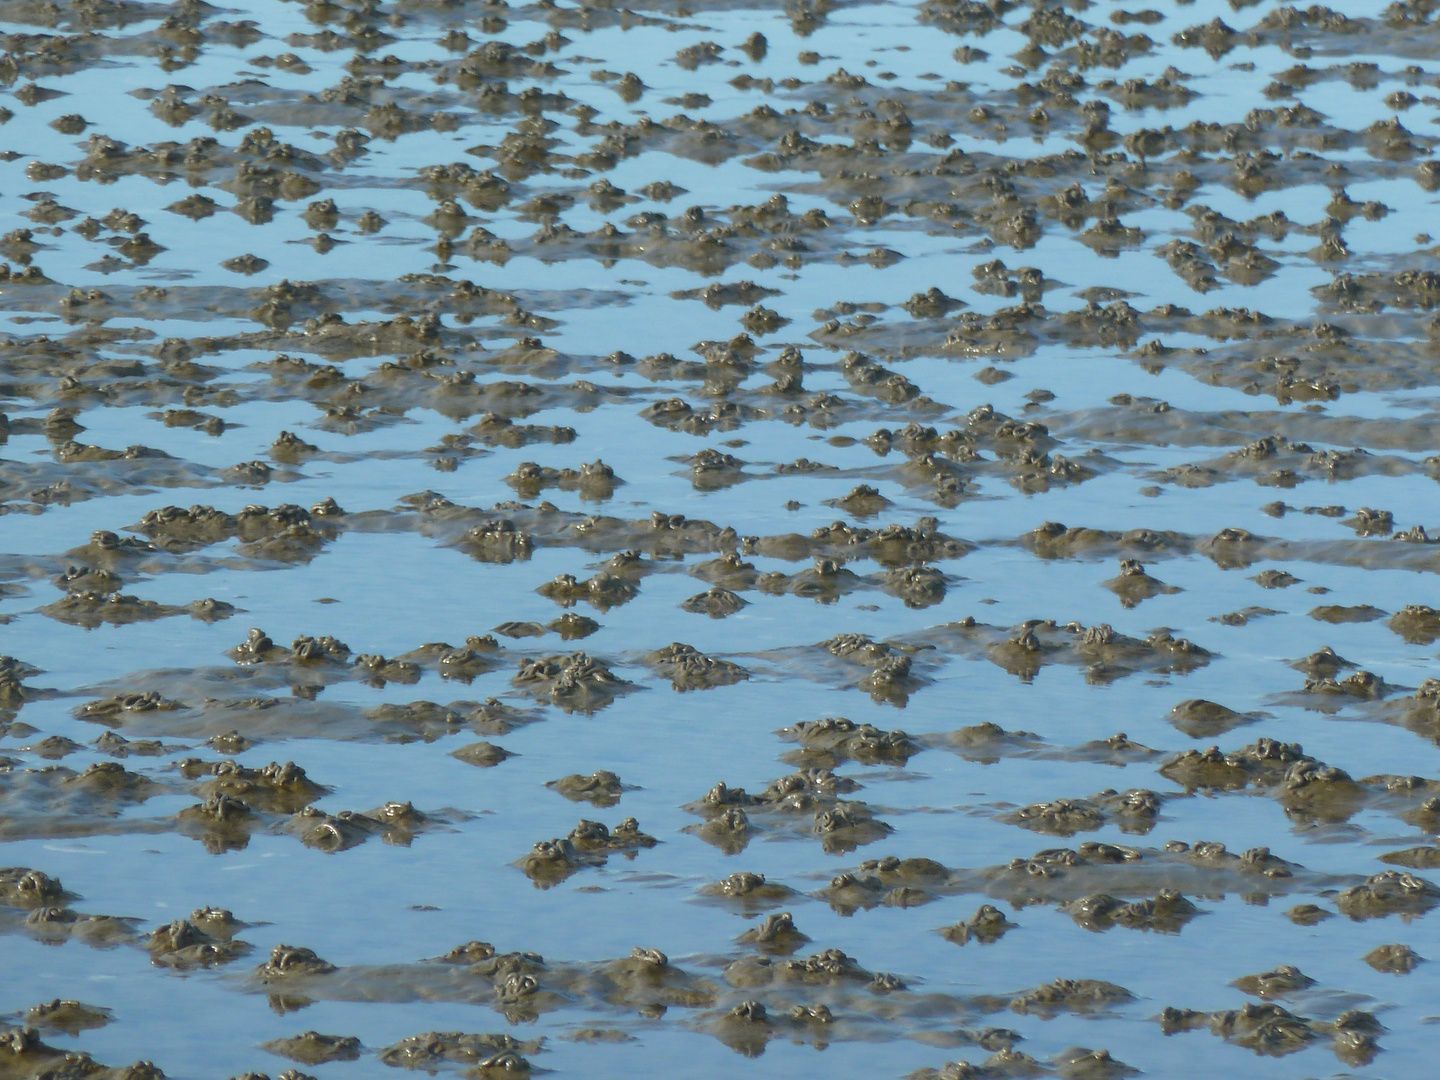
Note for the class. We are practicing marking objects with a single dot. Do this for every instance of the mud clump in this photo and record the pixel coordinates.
(590, 843)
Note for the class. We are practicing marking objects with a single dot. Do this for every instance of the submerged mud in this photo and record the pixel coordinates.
(681, 538)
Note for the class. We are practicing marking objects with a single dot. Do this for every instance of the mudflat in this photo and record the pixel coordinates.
(719, 539)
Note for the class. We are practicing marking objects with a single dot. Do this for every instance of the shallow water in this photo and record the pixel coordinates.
(1196, 328)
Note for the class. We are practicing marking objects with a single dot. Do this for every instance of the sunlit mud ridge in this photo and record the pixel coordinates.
(884, 540)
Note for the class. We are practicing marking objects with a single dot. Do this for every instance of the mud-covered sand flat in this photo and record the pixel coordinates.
(719, 539)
